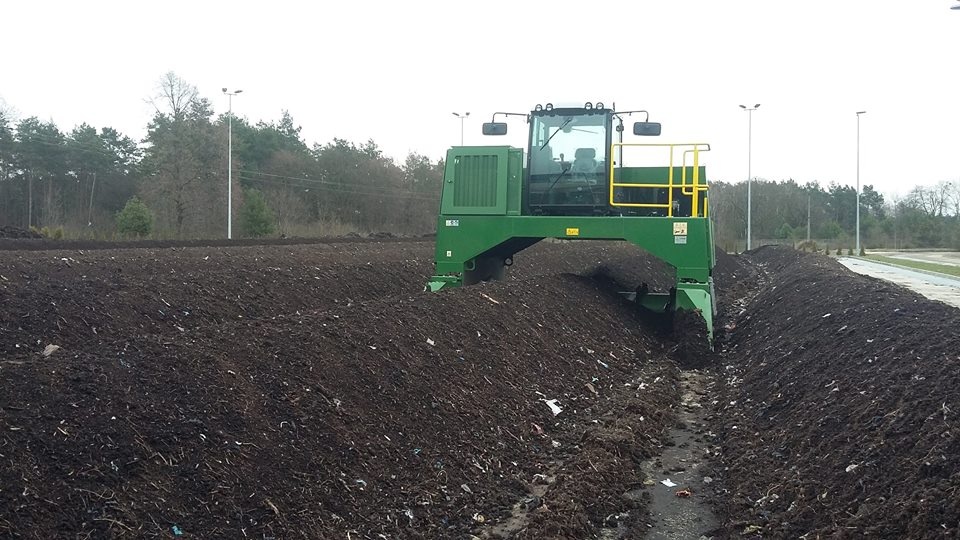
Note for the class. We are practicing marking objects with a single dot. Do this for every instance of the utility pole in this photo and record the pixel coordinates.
(29, 199)
(749, 173)
(858, 180)
(230, 161)
(896, 220)
(93, 186)
(808, 217)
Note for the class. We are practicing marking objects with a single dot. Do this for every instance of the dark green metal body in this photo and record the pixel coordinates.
(484, 220)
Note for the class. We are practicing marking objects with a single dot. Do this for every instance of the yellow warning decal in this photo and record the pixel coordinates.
(573, 231)
(680, 228)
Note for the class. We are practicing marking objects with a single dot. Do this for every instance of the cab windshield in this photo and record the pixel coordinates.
(562, 141)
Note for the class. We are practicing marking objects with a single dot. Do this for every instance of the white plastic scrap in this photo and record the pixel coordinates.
(552, 403)
(852, 467)
(668, 483)
(490, 299)
(431, 342)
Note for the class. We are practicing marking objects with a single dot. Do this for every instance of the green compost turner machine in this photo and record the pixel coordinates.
(573, 183)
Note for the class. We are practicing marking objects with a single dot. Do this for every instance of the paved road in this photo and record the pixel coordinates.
(945, 289)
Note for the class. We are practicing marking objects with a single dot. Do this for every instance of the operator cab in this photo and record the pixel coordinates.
(567, 160)
(568, 163)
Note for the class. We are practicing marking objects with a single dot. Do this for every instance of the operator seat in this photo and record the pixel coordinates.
(541, 161)
(584, 161)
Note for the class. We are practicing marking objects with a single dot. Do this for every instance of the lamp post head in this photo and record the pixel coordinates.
(456, 114)
(757, 106)
(861, 112)
(238, 92)
(742, 106)
(224, 89)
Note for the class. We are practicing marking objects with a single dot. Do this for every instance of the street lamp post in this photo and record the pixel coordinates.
(750, 173)
(230, 161)
(462, 117)
(858, 180)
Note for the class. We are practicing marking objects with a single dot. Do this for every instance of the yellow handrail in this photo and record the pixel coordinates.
(694, 186)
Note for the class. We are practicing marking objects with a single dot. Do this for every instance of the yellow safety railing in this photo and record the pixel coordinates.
(691, 189)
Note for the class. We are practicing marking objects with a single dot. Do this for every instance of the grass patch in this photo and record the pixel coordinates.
(932, 267)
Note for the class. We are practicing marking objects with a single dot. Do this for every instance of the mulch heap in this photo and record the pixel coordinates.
(840, 416)
(9, 231)
(82, 300)
(391, 413)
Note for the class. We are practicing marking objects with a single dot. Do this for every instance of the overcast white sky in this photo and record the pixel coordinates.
(394, 71)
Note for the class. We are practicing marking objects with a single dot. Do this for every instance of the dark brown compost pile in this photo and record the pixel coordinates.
(840, 418)
(315, 391)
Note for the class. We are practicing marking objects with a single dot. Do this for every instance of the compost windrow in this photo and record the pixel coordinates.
(839, 417)
(326, 411)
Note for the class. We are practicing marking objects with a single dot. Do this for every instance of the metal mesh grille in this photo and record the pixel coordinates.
(476, 181)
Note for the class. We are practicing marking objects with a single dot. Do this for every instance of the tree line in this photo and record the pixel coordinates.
(93, 182)
(927, 217)
(99, 183)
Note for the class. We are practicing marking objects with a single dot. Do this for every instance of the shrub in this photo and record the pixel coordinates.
(839, 251)
(809, 245)
(135, 218)
(784, 231)
(256, 217)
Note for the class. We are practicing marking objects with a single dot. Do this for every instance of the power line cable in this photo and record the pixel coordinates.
(345, 190)
(331, 183)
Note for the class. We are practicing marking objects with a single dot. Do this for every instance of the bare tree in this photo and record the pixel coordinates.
(931, 200)
(174, 96)
(182, 160)
(953, 198)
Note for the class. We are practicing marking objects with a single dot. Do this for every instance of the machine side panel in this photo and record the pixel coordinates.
(475, 181)
(684, 243)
